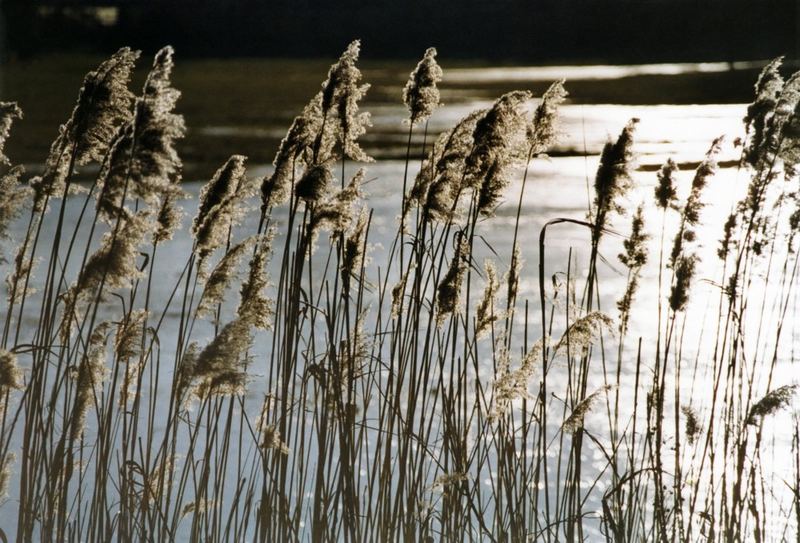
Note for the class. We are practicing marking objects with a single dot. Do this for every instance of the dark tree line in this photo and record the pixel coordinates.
(526, 30)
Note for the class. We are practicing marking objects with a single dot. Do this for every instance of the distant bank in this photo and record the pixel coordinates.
(627, 31)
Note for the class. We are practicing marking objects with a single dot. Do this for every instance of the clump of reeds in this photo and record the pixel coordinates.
(399, 401)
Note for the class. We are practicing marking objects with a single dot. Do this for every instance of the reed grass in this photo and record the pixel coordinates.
(416, 398)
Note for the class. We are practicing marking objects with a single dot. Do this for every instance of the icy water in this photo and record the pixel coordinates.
(224, 119)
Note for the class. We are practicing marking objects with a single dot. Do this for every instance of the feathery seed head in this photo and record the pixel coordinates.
(169, 214)
(198, 507)
(113, 265)
(613, 179)
(221, 277)
(772, 402)
(446, 480)
(510, 385)
(693, 425)
(156, 161)
(583, 332)
(336, 213)
(354, 249)
(542, 129)
(115, 259)
(514, 271)
(143, 161)
(220, 205)
(222, 185)
(446, 182)
(782, 134)
(104, 104)
(498, 140)
(217, 369)
(5, 473)
(314, 184)
(52, 182)
(102, 110)
(127, 342)
(271, 440)
(9, 111)
(635, 255)
(448, 292)
(23, 265)
(684, 273)
(12, 199)
(574, 422)
(421, 94)
(341, 74)
(767, 89)
(340, 94)
(275, 187)
(353, 124)
(91, 374)
(255, 308)
(665, 192)
(158, 87)
(224, 383)
(398, 292)
(725, 242)
(127, 347)
(10, 374)
(427, 172)
(634, 258)
(486, 314)
(705, 170)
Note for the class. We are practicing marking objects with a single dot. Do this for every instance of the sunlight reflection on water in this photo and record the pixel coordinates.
(550, 73)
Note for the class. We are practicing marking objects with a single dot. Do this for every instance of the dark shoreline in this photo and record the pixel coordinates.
(597, 31)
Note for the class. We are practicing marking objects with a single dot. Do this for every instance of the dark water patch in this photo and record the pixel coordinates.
(689, 165)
